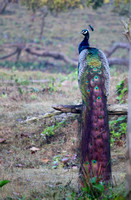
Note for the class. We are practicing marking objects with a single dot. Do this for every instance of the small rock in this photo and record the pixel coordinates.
(74, 167)
(34, 149)
(45, 160)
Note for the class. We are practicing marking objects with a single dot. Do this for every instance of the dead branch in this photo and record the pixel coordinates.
(37, 51)
(115, 109)
(3, 5)
(9, 55)
(68, 108)
(55, 55)
(116, 46)
(118, 61)
(18, 50)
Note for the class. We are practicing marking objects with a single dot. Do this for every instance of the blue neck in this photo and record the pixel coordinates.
(84, 45)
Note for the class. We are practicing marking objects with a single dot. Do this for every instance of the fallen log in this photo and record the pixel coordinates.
(115, 109)
(31, 81)
(41, 117)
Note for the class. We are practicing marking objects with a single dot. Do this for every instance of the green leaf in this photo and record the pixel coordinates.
(99, 187)
(93, 180)
(121, 101)
(112, 122)
(122, 118)
(73, 195)
(3, 182)
(119, 87)
(86, 189)
(117, 135)
(125, 90)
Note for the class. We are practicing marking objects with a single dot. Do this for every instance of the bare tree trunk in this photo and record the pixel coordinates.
(128, 178)
(44, 14)
(3, 5)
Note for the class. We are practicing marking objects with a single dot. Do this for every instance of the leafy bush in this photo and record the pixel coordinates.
(50, 130)
(118, 128)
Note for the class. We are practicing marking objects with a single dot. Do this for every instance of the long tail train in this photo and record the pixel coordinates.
(95, 142)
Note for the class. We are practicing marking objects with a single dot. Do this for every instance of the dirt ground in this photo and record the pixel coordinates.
(29, 170)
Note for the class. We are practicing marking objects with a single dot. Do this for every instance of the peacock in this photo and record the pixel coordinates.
(94, 79)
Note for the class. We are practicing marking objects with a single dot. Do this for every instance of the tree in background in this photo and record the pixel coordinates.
(122, 6)
(4, 4)
(61, 5)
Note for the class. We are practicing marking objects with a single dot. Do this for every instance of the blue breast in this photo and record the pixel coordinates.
(83, 45)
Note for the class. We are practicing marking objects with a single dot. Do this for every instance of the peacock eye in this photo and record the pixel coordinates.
(87, 163)
(95, 69)
(96, 77)
(99, 72)
(94, 161)
(98, 98)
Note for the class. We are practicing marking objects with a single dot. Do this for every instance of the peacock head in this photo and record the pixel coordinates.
(85, 32)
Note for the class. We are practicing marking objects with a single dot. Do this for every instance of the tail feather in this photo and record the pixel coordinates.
(95, 149)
